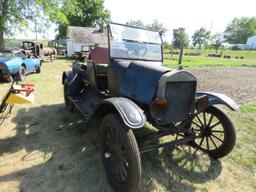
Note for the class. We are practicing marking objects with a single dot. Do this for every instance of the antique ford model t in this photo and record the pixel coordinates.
(126, 86)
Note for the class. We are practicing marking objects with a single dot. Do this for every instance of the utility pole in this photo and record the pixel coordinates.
(36, 29)
(181, 55)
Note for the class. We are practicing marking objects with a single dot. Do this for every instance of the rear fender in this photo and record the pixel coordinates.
(69, 75)
(74, 83)
(218, 98)
(132, 115)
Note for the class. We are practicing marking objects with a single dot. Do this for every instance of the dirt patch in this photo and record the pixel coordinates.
(239, 83)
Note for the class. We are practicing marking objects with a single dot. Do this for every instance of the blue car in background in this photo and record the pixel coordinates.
(13, 63)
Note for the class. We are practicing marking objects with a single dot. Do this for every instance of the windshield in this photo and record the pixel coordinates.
(20, 54)
(135, 43)
(6, 54)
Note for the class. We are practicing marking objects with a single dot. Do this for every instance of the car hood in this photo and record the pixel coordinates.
(5, 59)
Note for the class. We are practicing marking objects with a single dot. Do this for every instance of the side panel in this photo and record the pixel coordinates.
(14, 65)
(218, 98)
(132, 115)
(31, 64)
(115, 74)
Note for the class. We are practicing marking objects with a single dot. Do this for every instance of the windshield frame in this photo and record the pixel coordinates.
(135, 27)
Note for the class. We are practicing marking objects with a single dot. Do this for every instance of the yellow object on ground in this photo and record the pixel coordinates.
(20, 99)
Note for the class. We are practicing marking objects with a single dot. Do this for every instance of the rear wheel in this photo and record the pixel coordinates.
(68, 103)
(120, 155)
(214, 131)
(22, 73)
(38, 70)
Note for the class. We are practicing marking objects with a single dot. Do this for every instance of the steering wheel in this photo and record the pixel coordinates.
(136, 49)
(139, 50)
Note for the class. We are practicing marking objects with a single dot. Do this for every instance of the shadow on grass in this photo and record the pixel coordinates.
(56, 151)
(177, 169)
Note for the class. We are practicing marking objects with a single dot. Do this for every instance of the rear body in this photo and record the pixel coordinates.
(11, 61)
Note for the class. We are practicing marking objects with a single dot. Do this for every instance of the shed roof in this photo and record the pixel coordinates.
(86, 35)
(254, 36)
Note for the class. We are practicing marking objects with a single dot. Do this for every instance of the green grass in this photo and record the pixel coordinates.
(244, 154)
(204, 60)
(249, 107)
(46, 148)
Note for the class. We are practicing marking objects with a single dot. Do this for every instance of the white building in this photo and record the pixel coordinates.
(251, 42)
(78, 36)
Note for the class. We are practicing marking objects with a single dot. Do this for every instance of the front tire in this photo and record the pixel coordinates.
(120, 155)
(215, 133)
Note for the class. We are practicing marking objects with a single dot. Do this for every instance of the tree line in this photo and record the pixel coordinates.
(236, 32)
(38, 15)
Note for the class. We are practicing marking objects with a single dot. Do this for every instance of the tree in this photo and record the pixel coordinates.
(156, 25)
(136, 23)
(180, 36)
(36, 19)
(167, 45)
(217, 41)
(240, 29)
(200, 37)
(14, 14)
(85, 13)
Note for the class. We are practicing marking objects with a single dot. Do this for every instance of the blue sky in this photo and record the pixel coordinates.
(191, 14)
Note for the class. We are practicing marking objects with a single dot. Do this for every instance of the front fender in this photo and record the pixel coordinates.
(218, 98)
(14, 65)
(132, 115)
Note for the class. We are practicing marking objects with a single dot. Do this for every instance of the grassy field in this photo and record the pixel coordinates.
(204, 60)
(44, 148)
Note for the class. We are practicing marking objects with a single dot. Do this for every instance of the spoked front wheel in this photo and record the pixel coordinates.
(215, 133)
(120, 155)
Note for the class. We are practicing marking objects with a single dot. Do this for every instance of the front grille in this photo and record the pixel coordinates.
(181, 98)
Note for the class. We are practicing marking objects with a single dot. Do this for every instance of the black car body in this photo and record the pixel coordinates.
(129, 88)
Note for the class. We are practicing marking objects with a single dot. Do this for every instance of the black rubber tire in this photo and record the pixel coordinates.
(68, 104)
(22, 73)
(128, 146)
(38, 70)
(229, 135)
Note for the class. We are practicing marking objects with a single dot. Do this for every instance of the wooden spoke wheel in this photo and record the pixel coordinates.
(120, 155)
(215, 133)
